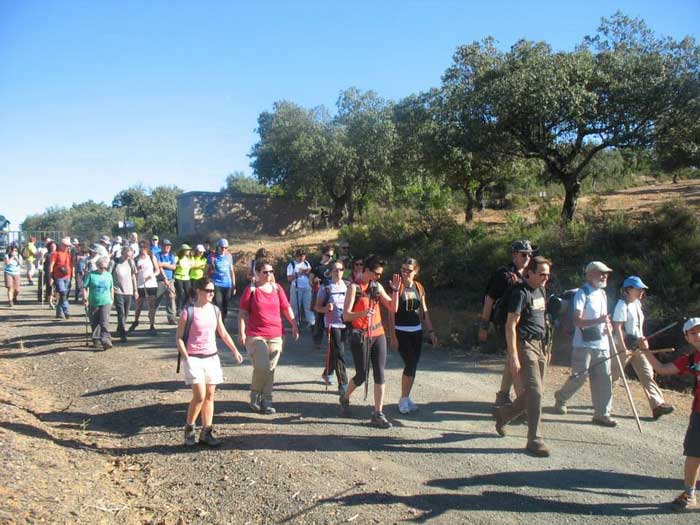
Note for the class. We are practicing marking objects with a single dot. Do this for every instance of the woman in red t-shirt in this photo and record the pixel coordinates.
(260, 330)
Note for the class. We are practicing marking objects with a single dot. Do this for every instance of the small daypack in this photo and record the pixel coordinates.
(499, 312)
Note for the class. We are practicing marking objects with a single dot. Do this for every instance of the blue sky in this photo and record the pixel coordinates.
(98, 96)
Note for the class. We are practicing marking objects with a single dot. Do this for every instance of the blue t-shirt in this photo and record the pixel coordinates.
(12, 266)
(155, 250)
(221, 270)
(167, 258)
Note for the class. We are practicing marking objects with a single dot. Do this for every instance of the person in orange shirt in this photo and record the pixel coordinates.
(60, 274)
(367, 340)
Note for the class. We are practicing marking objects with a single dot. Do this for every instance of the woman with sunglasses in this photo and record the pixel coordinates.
(367, 340)
(196, 343)
(407, 333)
(260, 330)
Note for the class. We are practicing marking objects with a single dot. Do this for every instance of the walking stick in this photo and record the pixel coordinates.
(624, 377)
(328, 356)
(367, 341)
(87, 322)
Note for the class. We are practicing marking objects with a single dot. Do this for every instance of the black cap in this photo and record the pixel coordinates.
(521, 246)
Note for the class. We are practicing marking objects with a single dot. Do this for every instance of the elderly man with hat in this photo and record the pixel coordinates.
(155, 249)
(60, 275)
(591, 348)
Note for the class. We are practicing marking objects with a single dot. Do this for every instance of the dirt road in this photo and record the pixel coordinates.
(96, 438)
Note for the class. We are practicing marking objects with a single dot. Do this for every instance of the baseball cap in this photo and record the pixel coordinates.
(166, 242)
(199, 248)
(634, 282)
(521, 246)
(185, 247)
(222, 243)
(597, 266)
(66, 241)
(105, 238)
(155, 238)
(118, 239)
(76, 241)
(691, 323)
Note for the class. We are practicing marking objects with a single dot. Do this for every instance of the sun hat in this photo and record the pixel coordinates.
(185, 247)
(691, 323)
(66, 241)
(521, 246)
(634, 282)
(597, 266)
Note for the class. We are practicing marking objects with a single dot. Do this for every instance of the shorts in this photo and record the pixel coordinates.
(203, 371)
(150, 292)
(691, 443)
(12, 281)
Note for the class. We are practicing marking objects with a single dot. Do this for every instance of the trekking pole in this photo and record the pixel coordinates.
(328, 356)
(617, 354)
(87, 322)
(624, 377)
(367, 342)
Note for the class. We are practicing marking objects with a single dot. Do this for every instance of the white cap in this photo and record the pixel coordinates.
(691, 323)
(199, 248)
(597, 266)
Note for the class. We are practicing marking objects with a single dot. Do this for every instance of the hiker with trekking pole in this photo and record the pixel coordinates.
(591, 346)
(406, 329)
(628, 323)
(330, 302)
(198, 325)
(367, 339)
(260, 330)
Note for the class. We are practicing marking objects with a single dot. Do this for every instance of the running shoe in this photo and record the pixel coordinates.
(684, 502)
(190, 436)
(208, 437)
(266, 408)
(412, 405)
(404, 406)
(379, 420)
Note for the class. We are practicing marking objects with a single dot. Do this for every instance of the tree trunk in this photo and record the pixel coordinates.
(469, 208)
(481, 203)
(337, 213)
(572, 186)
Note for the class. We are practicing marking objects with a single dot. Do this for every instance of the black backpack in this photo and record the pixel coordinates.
(499, 312)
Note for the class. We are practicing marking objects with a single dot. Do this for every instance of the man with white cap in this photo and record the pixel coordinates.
(591, 349)
(60, 274)
(628, 322)
(687, 364)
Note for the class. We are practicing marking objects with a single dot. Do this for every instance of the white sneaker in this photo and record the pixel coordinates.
(404, 407)
(411, 405)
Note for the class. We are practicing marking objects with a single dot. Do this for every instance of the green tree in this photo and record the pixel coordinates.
(152, 210)
(239, 182)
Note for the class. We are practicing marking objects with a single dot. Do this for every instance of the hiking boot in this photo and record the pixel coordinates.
(66, 316)
(132, 327)
(255, 402)
(500, 421)
(502, 398)
(96, 343)
(404, 407)
(379, 420)
(107, 345)
(684, 502)
(190, 436)
(266, 407)
(559, 406)
(662, 410)
(344, 405)
(208, 437)
(538, 448)
(604, 421)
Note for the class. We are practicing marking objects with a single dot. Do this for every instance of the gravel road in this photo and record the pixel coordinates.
(90, 437)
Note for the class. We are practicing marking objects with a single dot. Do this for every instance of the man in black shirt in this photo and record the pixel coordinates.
(527, 358)
(494, 311)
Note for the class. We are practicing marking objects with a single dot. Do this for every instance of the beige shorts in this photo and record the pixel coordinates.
(203, 371)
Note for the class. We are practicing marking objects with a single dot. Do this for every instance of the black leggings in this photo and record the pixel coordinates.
(182, 294)
(409, 347)
(336, 360)
(222, 297)
(377, 356)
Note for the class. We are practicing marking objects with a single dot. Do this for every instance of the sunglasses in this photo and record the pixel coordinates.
(378, 275)
(336, 269)
(210, 290)
(406, 270)
(359, 264)
(267, 272)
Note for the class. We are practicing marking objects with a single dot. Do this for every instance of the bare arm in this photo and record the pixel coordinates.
(664, 369)
(512, 342)
(348, 315)
(226, 338)
(580, 322)
(289, 315)
(428, 322)
(242, 321)
(181, 347)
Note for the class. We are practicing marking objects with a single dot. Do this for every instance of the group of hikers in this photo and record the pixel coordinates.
(341, 298)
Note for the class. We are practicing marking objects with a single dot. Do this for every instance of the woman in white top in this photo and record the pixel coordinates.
(147, 270)
(628, 323)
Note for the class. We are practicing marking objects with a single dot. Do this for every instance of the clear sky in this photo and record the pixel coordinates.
(96, 96)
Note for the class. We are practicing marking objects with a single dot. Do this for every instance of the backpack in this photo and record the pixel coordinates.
(327, 295)
(188, 326)
(499, 312)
